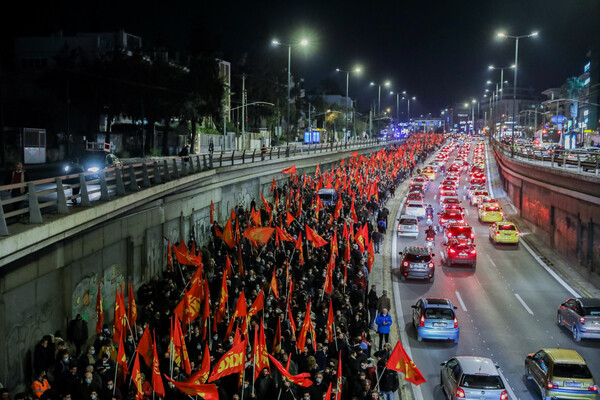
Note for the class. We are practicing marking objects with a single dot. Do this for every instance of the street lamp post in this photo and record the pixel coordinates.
(386, 83)
(491, 67)
(408, 106)
(514, 126)
(275, 42)
(357, 69)
(397, 106)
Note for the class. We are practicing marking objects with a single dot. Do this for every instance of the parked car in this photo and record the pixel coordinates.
(581, 316)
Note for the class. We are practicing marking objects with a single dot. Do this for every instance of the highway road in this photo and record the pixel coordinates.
(506, 306)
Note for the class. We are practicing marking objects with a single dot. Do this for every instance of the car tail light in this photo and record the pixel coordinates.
(551, 385)
(431, 265)
(504, 395)
(460, 393)
(485, 213)
(593, 388)
(422, 321)
(516, 233)
(405, 264)
(582, 320)
(449, 234)
(497, 233)
(455, 322)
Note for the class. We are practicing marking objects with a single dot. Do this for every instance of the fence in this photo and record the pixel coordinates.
(35, 198)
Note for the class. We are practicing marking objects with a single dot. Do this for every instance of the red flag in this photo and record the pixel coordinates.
(273, 185)
(283, 235)
(261, 235)
(274, 284)
(122, 363)
(289, 219)
(223, 299)
(401, 362)
(184, 258)
(314, 237)
(169, 257)
(233, 361)
(144, 347)
(240, 308)
(192, 297)
(328, 394)
(338, 207)
(306, 326)
(206, 310)
(212, 210)
(265, 203)
(257, 305)
(334, 243)
(201, 376)
(99, 311)
(290, 170)
(300, 379)
(157, 383)
(299, 248)
(228, 234)
(136, 377)
(277, 338)
(292, 323)
(371, 255)
(355, 154)
(180, 348)
(261, 359)
(207, 392)
(338, 395)
(131, 307)
(120, 319)
(330, 321)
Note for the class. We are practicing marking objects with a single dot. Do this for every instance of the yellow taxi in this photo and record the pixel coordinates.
(430, 172)
(561, 373)
(504, 232)
(490, 213)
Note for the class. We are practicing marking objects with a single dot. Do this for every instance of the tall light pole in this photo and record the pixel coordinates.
(357, 70)
(491, 67)
(408, 109)
(397, 106)
(276, 42)
(386, 83)
(514, 125)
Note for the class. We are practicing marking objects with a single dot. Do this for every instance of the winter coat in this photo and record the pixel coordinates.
(384, 323)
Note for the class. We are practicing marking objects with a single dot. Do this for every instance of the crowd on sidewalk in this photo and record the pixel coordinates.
(262, 272)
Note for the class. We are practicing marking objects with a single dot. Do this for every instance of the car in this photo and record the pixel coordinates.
(449, 201)
(490, 213)
(408, 225)
(560, 373)
(461, 231)
(450, 216)
(434, 318)
(430, 172)
(95, 161)
(422, 179)
(450, 182)
(477, 178)
(415, 208)
(470, 377)
(414, 196)
(473, 188)
(454, 168)
(460, 251)
(581, 315)
(504, 232)
(417, 263)
(416, 187)
(478, 194)
(488, 201)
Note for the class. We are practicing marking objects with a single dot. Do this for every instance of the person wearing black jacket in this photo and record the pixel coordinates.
(388, 384)
(78, 333)
(372, 306)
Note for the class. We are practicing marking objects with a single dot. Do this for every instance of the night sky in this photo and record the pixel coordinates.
(436, 50)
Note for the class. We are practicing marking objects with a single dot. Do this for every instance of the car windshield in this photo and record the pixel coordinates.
(574, 371)
(482, 382)
(418, 258)
(506, 228)
(451, 201)
(439, 313)
(594, 311)
(326, 197)
(407, 221)
(414, 205)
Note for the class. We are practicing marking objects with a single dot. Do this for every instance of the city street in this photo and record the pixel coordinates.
(506, 307)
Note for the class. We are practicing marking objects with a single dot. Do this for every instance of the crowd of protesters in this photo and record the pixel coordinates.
(83, 366)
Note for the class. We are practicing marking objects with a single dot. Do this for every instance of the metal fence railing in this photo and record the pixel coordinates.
(30, 200)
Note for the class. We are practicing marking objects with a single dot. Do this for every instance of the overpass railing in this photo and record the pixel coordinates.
(30, 200)
(576, 161)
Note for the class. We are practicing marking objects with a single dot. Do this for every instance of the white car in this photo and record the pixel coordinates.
(415, 208)
(408, 226)
(478, 195)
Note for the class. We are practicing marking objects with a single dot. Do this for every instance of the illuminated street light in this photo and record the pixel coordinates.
(276, 42)
(386, 83)
(356, 70)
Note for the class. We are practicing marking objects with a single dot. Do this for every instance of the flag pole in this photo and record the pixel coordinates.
(379, 378)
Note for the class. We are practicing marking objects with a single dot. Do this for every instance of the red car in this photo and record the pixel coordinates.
(414, 196)
(451, 203)
(446, 190)
(460, 231)
(460, 252)
(477, 178)
(450, 216)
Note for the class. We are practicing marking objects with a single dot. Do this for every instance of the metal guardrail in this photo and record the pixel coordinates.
(52, 194)
(584, 163)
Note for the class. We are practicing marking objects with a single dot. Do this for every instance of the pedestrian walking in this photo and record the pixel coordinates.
(372, 306)
(384, 302)
(384, 322)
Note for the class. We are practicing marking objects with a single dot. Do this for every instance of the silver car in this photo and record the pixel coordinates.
(581, 316)
(415, 208)
(468, 377)
(408, 225)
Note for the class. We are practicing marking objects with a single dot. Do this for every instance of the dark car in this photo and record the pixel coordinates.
(94, 162)
(460, 252)
(417, 263)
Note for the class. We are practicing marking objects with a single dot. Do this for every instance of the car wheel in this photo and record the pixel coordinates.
(559, 320)
(474, 265)
(527, 372)
(419, 338)
(456, 341)
(402, 277)
(576, 335)
(431, 279)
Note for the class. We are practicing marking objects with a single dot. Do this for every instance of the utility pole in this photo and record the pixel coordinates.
(243, 104)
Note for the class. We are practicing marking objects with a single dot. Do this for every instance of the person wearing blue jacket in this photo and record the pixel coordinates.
(384, 322)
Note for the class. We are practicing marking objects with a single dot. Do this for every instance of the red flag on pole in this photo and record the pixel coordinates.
(131, 307)
(274, 284)
(122, 369)
(314, 237)
(290, 170)
(157, 383)
(212, 210)
(99, 311)
(233, 361)
(136, 377)
(207, 392)
(120, 319)
(401, 362)
(330, 321)
(144, 347)
(201, 376)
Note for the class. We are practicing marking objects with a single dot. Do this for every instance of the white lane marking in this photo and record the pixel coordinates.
(489, 178)
(523, 303)
(460, 300)
(550, 271)
(435, 197)
(511, 394)
(492, 261)
(467, 211)
(416, 390)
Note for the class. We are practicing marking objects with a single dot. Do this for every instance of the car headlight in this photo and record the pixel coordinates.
(67, 168)
(93, 169)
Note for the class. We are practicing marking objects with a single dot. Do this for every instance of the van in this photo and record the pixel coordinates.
(329, 197)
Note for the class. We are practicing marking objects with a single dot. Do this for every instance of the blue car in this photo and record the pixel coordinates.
(434, 318)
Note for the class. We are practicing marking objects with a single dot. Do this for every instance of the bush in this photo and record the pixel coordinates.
(124, 154)
(155, 152)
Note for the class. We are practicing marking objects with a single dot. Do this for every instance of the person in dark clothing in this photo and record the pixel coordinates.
(372, 306)
(184, 153)
(265, 385)
(78, 333)
(74, 168)
(43, 355)
(388, 383)
(18, 175)
(107, 393)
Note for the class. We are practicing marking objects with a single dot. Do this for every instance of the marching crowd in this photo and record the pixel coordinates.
(317, 259)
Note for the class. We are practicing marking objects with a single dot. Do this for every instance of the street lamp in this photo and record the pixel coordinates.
(357, 70)
(386, 83)
(504, 35)
(397, 105)
(408, 102)
(491, 67)
(276, 42)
